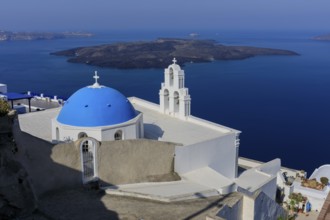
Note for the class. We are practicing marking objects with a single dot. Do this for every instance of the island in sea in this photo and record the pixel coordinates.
(325, 37)
(15, 36)
(160, 52)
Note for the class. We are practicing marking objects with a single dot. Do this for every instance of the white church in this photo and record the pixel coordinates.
(105, 114)
(101, 135)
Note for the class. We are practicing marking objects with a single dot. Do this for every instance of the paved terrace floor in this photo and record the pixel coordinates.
(38, 124)
(201, 183)
(313, 215)
(89, 204)
(165, 191)
(163, 127)
(157, 126)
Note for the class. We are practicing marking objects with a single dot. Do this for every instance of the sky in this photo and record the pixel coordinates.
(89, 15)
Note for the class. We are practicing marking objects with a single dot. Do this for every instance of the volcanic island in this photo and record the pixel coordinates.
(160, 52)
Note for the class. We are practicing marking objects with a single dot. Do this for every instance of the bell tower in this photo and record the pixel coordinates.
(174, 98)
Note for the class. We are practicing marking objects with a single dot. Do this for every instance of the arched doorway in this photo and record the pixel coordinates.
(88, 159)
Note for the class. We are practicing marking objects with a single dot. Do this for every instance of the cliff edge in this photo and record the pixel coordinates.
(16, 195)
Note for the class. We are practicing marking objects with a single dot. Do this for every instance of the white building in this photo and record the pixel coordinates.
(316, 197)
(3, 89)
(205, 154)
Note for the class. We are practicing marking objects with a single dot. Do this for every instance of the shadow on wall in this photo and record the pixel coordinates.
(16, 195)
(79, 204)
(51, 170)
(214, 209)
(152, 131)
(134, 161)
(59, 168)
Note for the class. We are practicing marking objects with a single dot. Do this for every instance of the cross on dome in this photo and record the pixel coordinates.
(174, 60)
(96, 84)
(96, 77)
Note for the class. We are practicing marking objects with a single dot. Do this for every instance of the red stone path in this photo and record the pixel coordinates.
(325, 211)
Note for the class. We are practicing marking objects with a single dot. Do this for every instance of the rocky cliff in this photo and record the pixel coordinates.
(16, 195)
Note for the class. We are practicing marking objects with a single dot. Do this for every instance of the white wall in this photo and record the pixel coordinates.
(3, 88)
(218, 153)
(261, 178)
(70, 133)
(316, 203)
(261, 207)
(232, 212)
(322, 171)
(270, 188)
(248, 208)
(272, 168)
(130, 130)
(315, 197)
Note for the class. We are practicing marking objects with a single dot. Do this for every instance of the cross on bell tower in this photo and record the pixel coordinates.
(174, 60)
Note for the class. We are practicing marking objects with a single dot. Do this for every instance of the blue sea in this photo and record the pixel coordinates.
(280, 103)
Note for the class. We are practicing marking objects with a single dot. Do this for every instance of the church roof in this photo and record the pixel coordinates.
(96, 106)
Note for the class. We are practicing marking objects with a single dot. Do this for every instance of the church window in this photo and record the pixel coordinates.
(57, 134)
(85, 146)
(118, 135)
(82, 135)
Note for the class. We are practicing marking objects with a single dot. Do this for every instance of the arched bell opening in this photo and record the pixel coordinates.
(171, 76)
(176, 102)
(166, 100)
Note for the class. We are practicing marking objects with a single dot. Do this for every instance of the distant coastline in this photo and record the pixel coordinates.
(28, 36)
(160, 52)
(325, 37)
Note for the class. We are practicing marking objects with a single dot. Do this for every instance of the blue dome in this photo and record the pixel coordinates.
(101, 106)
